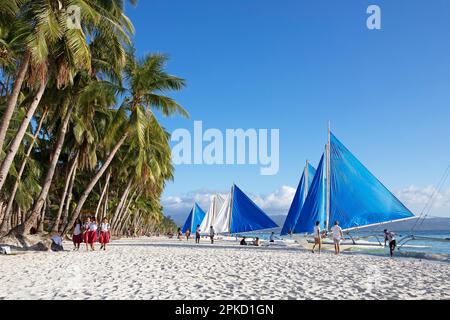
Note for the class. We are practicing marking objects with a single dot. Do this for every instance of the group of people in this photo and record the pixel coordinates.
(212, 234)
(255, 242)
(337, 234)
(89, 232)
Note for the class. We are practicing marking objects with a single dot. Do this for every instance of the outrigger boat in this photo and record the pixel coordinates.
(344, 190)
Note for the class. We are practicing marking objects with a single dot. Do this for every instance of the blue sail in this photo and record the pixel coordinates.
(195, 218)
(357, 197)
(298, 201)
(314, 207)
(246, 215)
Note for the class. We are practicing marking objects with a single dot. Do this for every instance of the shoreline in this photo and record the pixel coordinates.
(157, 268)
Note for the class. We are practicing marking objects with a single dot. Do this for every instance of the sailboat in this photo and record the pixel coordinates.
(194, 218)
(212, 214)
(344, 190)
(299, 199)
(240, 214)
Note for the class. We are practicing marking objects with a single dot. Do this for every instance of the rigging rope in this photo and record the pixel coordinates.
(429, 205)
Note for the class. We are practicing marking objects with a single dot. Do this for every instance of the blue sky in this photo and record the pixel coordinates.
(296, 64)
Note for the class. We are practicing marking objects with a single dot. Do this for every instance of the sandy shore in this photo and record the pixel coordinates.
(170, 269)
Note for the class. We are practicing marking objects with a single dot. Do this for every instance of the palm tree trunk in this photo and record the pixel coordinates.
(69, 199)
(12, 101)
(93, 182)
(64, 194)
(108, 176)
(15, 143)
(40, 225)
(50, 173)
(105, 204)
(121, 203)
(125, 213)
(4, 226)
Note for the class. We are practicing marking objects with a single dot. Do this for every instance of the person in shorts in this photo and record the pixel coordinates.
(317, 237)
(389, 236)
(337, 236)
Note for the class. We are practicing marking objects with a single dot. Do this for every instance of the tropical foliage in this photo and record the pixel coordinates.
(78, 132)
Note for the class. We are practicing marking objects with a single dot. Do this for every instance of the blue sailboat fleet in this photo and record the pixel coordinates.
(344, 190)
(341, 189)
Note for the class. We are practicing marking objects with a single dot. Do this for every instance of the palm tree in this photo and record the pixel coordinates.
(50, 40)
(148, 81)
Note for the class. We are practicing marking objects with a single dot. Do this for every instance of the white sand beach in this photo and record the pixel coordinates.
(158, 268)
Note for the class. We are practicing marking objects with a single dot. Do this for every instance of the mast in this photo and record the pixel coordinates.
(231, 208)
(327, 223)
(306, 182)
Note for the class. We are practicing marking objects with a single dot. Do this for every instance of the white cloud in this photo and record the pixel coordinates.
(276, 202)
(416, 199)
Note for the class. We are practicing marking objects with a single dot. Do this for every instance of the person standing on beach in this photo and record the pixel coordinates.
(104, 234)
(272, 237)
(390, 237)
(77, 236)
(317, 239)
(212, 234)
(188, 234)
(87, 223)
(197, 234)
(92, 233)
(179, 234)
(337, 235)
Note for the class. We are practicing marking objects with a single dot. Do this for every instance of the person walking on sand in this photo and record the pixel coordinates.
(92, 233)
(212, 233)
(337, 235)
(197, 234)
(86, 232)
(179, 234)
(188, 234)
(104, 233)
(317, 239)
(77, 235)
(390, 237)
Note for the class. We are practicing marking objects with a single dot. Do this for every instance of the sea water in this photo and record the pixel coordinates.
(422, 245)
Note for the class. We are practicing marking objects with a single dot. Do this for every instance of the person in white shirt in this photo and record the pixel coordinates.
(212, 233)
(77, 236)
(104, 233)
(92, 237)
(317, 237)
(272, 237)
(389, 236)
(337, 235)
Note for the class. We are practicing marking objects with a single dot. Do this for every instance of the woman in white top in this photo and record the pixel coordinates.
(92, 237)
(317, 240)
(77, 236)
(337, 235)
(104, 234)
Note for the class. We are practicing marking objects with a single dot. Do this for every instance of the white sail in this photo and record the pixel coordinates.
(216, 204)
(223, 217)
